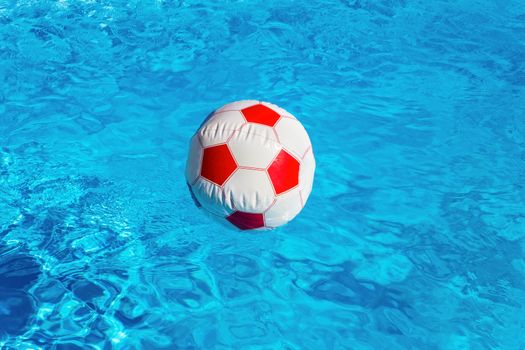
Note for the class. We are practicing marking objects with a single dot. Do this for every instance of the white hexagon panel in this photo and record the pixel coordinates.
(253, 165)
(306, 174)
(249, 191)
(293, 136)
(220, 127)
(193, 166)
(210, 197)
(254, 139)
(284, 209)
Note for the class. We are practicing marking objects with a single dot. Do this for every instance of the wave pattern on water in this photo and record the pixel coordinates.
(413, 236)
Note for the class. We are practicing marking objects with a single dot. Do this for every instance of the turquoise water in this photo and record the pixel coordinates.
(413, 237)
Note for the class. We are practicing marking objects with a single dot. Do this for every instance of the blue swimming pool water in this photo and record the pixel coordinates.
(414, 235)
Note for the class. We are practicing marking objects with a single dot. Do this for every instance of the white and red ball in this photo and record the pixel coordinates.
(252, 164)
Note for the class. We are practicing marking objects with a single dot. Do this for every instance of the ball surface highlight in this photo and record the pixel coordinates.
(251, 163)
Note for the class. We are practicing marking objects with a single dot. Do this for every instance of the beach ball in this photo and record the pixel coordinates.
(251, 164)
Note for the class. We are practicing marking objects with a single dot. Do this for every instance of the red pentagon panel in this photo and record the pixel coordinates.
(217, 164)
(261, 114)
(284, 172)
(246, 221)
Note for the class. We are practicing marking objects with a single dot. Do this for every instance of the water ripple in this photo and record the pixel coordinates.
(412, 238)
